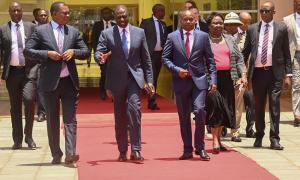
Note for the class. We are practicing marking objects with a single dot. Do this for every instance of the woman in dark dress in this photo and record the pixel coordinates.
(230, 68)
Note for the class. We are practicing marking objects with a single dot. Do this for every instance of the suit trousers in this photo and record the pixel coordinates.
(250, 110)
(67, 94)
(266, 85)
(156, 66)
(20, 88)
(40, 98)
(127, 110)
(239, 107)
(102, 79)
(191, 95)
(296, 85)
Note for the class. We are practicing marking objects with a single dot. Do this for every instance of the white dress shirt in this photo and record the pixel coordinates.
(191, 38)
(298, 31)
(127, 35)
(158, 38)
(260, 44)
(108, 23)
(14, 44)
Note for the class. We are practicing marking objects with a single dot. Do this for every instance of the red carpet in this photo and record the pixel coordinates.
(161, 148)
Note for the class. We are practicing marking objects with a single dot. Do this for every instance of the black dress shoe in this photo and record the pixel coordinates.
(250, 134)
(56, 160)
(71, 159)
(186, 155)
(257, 143)
(41, 118)
(136, 156)
(276, 146)
(122, 157)
(103, 95)
(16, 146)
(236, 139)
(31, 143)
(204, 156)
(153, 107)
(296, 122)
(223, 148)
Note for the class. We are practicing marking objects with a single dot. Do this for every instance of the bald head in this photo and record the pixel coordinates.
(269, 4)
(245, 18)
(15, 11)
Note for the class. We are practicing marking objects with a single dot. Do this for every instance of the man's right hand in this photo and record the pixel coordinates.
(183, 73)
(55, 56)
(104, 57)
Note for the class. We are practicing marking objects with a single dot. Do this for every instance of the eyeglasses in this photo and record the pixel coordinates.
(265, 11)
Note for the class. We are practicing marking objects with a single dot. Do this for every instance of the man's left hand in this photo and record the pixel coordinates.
(150, 88)
(67, 55)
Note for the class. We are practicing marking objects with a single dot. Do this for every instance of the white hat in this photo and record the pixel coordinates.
(232, 18)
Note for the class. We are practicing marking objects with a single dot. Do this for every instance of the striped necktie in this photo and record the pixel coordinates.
(264, 51)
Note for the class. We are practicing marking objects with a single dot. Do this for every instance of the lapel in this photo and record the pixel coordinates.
(180, 40)
(52, 37)
(66, 38)
(196, 37)
(118, 40)
(131, 40)
(152, 24)
(8, 32)
(275, 33)
(257, 34)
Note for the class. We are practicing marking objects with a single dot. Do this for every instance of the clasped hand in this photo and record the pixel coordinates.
(66, 56)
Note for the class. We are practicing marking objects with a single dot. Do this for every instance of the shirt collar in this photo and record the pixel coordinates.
(121, 29)
(297, 16)
(241, 31)
(263, 24)
(14, 24)
(191, 31)
(106, 21)
(154, 18)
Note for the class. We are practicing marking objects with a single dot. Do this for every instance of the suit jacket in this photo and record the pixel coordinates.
(174, 58)
(118, 67)
(149, 27)
(5, 48)
(281, 57)
(43, 40)
(97, 29)
(203, 25)
(290, 22)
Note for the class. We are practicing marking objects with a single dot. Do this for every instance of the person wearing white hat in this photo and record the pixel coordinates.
(231, 24)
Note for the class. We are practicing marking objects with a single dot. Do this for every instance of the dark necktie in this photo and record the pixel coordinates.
(187, 44)
(20, 46)
(196, 27)
(161, 32)
(264, 51)
(124, 43)
(106, 24)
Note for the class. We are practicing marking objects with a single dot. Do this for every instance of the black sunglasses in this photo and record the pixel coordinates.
(265, 11)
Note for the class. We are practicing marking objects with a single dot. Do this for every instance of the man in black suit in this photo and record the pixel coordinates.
(270, 63)
(200, 22)
(106, 22)
(42, 17)
(57, 45)
(156, 35)
(19, 74)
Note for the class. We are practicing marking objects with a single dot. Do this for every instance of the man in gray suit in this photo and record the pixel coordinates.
(127, 67)
(57, 45)
(19, 74)
(267, 44)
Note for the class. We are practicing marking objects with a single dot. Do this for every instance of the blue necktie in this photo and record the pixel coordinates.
(124, 43)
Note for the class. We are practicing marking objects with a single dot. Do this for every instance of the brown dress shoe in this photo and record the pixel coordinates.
(296, 122)
(122, 157)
